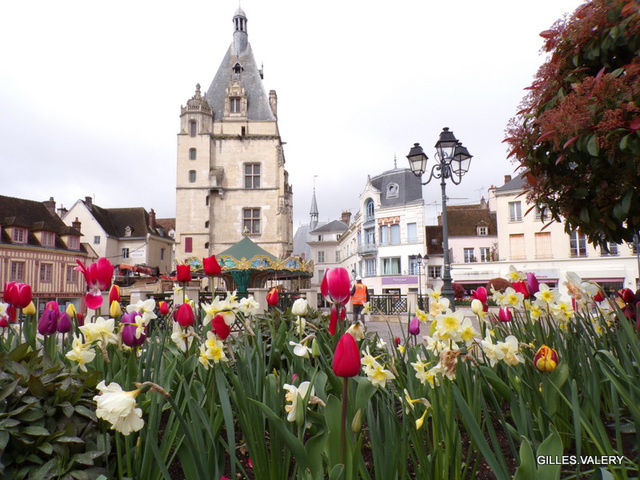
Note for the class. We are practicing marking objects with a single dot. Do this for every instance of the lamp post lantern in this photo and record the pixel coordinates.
(452, 162)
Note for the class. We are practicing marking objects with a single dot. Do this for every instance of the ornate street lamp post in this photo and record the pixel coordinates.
(421, 263)
(452, 162)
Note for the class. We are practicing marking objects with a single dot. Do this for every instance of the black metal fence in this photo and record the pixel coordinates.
(388, 304)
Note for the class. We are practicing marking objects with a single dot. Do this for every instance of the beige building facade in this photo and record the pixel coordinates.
(231, 180)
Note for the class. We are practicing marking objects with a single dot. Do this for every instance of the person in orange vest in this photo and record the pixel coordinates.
(359, 296)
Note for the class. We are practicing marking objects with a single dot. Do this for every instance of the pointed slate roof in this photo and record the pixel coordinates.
(258, 107)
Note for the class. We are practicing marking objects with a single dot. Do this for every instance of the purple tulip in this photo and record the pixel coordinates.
(48, 323)
(129, 336)
(64, 324)
(532, 283)
(414, 326)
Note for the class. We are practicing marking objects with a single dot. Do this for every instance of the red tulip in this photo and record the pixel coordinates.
(4, 322)
(627, 296)
(346, 359)
(114, 294)
(18, 294)
(504, 314)
(599, 297)
(163, 307)
(220, 327)
(80, 319)
(333, 320)
(336, 286)
(211, 266)
(521, 287)
(272, 297)
(184, 315)
(184, 273)
(397, 341)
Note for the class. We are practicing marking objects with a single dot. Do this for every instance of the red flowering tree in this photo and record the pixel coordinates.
(578, 132)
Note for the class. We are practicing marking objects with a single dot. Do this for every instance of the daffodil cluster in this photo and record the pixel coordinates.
(374, 370)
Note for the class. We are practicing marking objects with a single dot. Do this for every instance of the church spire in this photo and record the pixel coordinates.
(314, 210)
(240, 37)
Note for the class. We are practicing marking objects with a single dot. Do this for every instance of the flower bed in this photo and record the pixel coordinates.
(546, 388)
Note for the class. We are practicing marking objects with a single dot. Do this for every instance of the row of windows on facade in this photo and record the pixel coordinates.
(47, 239)
(251, 174)
(390, 266)
(18, 271)
(250, 226)
(389, 235)
(543, 247)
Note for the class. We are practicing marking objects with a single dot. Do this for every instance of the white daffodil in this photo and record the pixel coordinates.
(562, 311)
(422, 315)
(511, 351)
(180, 336)
(367, 361)
(145, 308)
(3, 308)
(300, 349)
(448, 325)
(468, 331)
(212, 350)
(301, 323)
(248, 306)
(300, 307)
(367, 308)
(425, 376)
(493, 352)
(515, 275)
(547, 295)
(378, 375)
(101, 331)
(296, 396)
(118, 407)
(437, 307)
(511, 298)
(356, 330)
(381, 344)
(435, 293)
(81, 353)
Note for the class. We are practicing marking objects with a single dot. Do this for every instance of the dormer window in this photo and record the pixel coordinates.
(19, 235)
(48, 239)
(73, 242)
(483, 231)
(237, 69)
(392, 190)
(235, 104)
(127, 231)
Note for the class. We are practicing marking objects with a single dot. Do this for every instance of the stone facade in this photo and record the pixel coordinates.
(231, 179)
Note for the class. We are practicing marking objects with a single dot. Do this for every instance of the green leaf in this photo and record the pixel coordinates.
(36, 431)
(592, 146)
(8, 390)
(550, 447)
(527, 469)
(337, 472)
(46, 448)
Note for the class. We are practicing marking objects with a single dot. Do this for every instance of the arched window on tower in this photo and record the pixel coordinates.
(192, 154)
(192, 176)
(192, 128)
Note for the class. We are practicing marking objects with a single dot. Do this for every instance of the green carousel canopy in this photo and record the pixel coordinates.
(249, 265)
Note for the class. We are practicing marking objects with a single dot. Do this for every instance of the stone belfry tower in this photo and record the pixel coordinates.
(231, 181)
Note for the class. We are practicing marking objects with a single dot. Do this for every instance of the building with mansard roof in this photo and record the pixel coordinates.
(231, 177)
(38, 248)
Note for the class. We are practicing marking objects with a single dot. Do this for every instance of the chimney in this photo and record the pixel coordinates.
(76, 224)
(346, 217)
(62, 211)
(273, 101)
(51, 205)
(88, 201)
(152, 220)
(507, 178)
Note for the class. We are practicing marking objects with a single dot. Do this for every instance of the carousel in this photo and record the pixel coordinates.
(246, 265)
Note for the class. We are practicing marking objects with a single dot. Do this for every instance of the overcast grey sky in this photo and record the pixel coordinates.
(90, 92)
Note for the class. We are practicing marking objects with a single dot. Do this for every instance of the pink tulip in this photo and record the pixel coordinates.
(114, 294)
(98, 277)
(414, 326)
(504, 314)
(163, 307)
(336, 286)
(532, 283)
(480, 294)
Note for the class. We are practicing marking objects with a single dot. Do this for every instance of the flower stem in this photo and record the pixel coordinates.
(343, 418)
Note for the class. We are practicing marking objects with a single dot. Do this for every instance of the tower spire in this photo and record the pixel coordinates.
(240, 37)
(313, 213)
